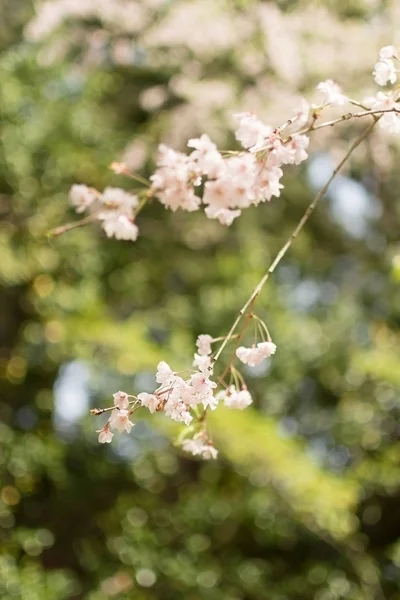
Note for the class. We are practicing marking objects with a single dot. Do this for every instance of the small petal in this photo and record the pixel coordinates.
(203, 344)
(121, 400)
(119, 420)
(105, 435)
(149, 400)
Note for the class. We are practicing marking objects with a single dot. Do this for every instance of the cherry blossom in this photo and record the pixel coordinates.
(151, 401)
(121, 400)
(333, 93)
(209, 160)
(174, 179)
(81, 197)
(257, 354)
(385, 72)
(230, 183)
(267, 348)
(119, 226)
(203, 363)
(164, 373)
(202, 387)
(105, 435)
(116, 199)
(251, 132)
(302, 113)
(233, 398)
(198, 447)
(268, 183)
(119, 420)
(178, 411)
(387, 52)
(203, 344)
(298, 144)
(390, 121)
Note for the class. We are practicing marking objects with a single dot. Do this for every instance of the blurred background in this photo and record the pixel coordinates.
(304, 500)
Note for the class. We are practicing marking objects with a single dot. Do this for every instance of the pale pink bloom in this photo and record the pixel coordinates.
(217, 192)
(201, 383)
(197, 390)
(255, 355)
(119, 420)
(123, 203)
(279, 153)
(387, 52)
(208, 159)
(237, 399)
(175, 386)
(380, 101)
(298, 144)
(121, 400)
(198, 447)
(105, 435)
(186, 394)
(178, 411)
(119, 226)
(233, 190)
(150, 401)
(249, 356)
(266, 348)
(242, 168)
(193, 446)
(179, 195)
(209, 401)
(208, 451)
(302, 113)
(174, 179)
(202, 362)
(81, 197)
(251, 132)
(203, 343)
(268, 183)
(390, 122)
(333, 93)
(224, 215)
(385, 72)
(164, 373)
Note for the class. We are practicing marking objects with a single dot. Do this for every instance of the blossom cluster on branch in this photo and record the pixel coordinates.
(225, 183)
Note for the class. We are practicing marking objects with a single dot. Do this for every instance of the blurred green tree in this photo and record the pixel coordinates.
(303, 501)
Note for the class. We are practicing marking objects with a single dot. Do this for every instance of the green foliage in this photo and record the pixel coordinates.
(303, 501)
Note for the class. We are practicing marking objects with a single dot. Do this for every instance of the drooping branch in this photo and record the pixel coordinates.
(310, 209)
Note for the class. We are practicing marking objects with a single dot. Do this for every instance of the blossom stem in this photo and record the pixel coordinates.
(141, 205)
(100, 411)
(263, 327)
(310, 209)
(238, 337)
(64, 228)
(138, 178)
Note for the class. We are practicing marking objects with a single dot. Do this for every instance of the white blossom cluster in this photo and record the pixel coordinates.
(115, 208)
(384, 73)
(178, 397)
(225, 183)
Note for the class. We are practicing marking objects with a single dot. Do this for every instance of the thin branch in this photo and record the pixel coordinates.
(64, 228)
(348, 116)
(286, 246)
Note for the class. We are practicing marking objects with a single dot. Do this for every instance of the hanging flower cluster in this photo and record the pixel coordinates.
(184, 398)
(224, 183)
(114, 208)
